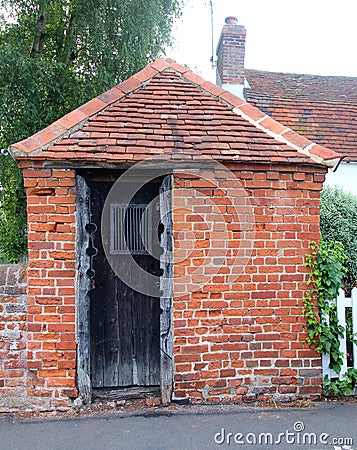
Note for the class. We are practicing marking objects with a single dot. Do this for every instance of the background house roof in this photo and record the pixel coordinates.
(166, 109)
(321, 108)
(295, 85)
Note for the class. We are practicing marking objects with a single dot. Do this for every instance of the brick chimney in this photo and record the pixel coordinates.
(230, 57)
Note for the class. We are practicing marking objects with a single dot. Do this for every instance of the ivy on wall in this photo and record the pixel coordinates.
(327, 271)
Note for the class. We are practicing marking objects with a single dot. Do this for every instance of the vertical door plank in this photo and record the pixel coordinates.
(109, 299)
(99, 282)
(125, 335)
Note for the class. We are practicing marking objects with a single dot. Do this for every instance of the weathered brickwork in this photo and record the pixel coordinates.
(245, 339)
(235, 339)
(12, 336)
(51, 355)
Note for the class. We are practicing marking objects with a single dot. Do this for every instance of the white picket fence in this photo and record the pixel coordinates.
(343, 303)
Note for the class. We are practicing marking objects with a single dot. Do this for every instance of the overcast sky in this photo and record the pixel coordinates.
(302, 36)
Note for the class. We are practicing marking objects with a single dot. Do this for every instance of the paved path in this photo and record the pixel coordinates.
(190, 428)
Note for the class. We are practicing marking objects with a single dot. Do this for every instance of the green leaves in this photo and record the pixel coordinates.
(342, 387)
(105, 41)
(332, 265)
(12, 212)
(339, 223)
(326, 274)
(56, 55)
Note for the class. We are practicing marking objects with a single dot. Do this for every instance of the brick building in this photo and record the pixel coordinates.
(228, 200)
(318, 107)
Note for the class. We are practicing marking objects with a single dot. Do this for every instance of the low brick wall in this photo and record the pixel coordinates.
(13, 312)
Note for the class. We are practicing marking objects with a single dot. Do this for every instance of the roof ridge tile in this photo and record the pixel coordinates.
(178, 67)
(146, 74)
(159, 64)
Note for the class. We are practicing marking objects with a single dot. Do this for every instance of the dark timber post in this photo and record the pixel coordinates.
(83, 288)
(166, 371)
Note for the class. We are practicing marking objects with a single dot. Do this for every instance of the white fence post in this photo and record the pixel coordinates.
(326, 360)
(342, 303)
(354, 324)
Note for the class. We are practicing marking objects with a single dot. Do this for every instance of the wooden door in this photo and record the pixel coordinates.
(119, 328)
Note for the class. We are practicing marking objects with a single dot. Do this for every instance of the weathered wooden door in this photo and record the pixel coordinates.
(124, 326)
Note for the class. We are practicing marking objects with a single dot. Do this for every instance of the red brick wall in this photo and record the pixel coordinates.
(245, 340)
(233, 340)
(12, 336)
(51, 356)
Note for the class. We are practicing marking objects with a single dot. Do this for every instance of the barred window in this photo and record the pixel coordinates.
(130, 229)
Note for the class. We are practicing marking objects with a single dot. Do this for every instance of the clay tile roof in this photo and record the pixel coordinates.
(323, 109)
(166, 109)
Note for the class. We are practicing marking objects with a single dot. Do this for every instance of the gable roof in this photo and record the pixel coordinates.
(167, 109)
(320, 108)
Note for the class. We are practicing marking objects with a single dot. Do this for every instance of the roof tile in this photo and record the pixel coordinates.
(296, 139)
(322, 152)
(212, 88)
(178, 67)
(114, 94)
(28, 145)
(160, 65)
(129, 85)
(232, 99)
(166, 109)
(303, 86)
(72, 119)
(50, 133)
(272, 125)
(92, 107)
(145, 74)
(194, 78)
(321, 108)
(251, 111)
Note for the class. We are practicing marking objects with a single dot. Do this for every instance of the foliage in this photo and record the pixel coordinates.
(339, 223)
(103, 41)
(342, 387)
(326, 272)
(12, 214)
(56, 55)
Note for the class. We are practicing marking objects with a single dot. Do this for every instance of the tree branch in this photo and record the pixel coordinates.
(39, 39)
(68, 48)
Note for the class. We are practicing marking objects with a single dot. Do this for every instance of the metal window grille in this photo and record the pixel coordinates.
(130, 229)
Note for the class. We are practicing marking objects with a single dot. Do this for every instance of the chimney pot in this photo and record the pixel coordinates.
(231, 20)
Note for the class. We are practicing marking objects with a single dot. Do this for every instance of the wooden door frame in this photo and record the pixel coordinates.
(166, 299)
(83, 282)
(83, 289)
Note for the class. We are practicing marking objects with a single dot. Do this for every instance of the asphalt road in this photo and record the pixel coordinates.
(325, 426)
